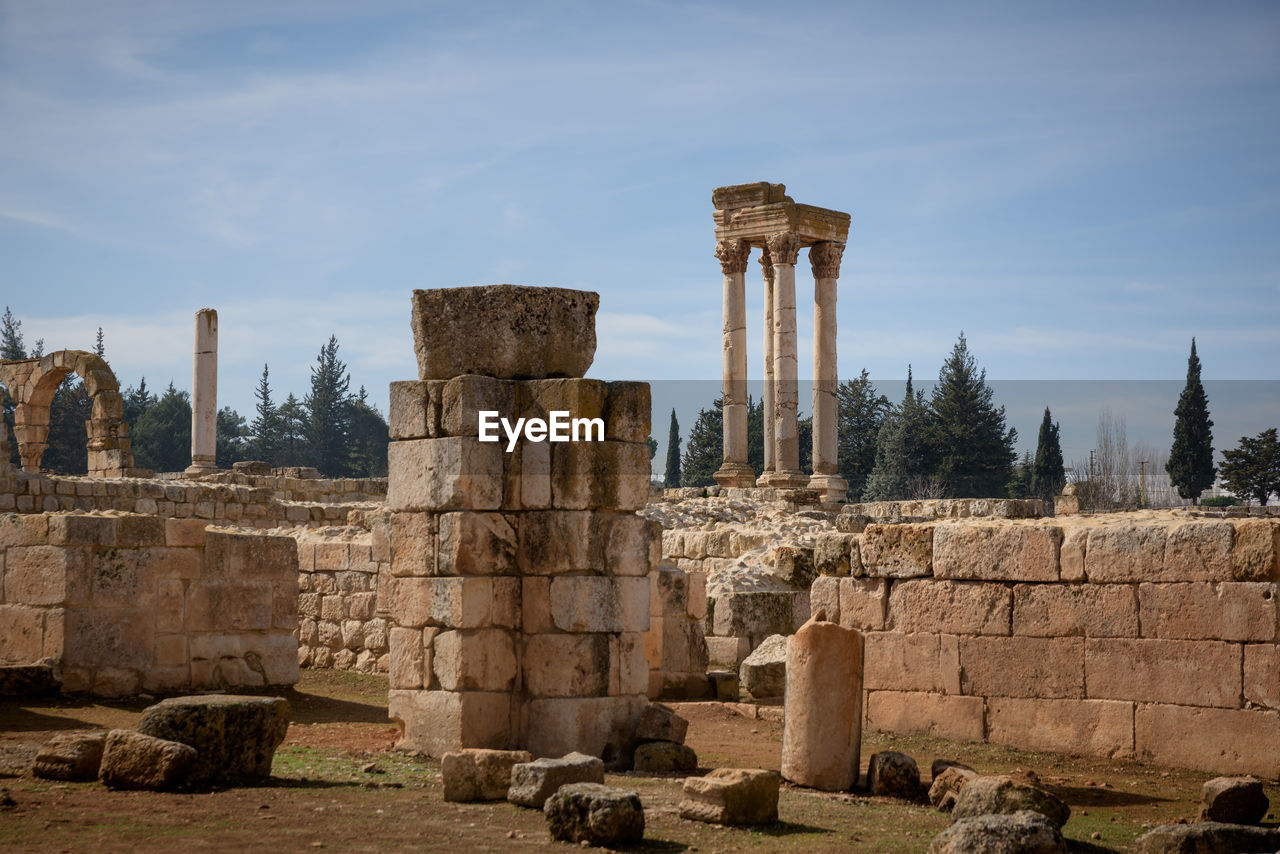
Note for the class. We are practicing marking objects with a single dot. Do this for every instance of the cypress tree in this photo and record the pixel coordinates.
(1190, 465)
(705, 451)
(671, 478)
(974, 450)
(1048, 475)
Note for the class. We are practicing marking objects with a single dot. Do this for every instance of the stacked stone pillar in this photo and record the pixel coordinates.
(518, 586)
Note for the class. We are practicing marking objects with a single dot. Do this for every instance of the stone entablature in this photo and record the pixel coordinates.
(761, 215)
(122, 603)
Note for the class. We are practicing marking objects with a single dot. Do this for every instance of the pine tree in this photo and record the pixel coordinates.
(292, 445)
(973, 448)
(162, 436)
(232, 438)
(100, 347)
(370, 436)
(755, 435)
(265, 430)
(671, 478)
(1023, 472)
(705, 450)
(903, 460)
(1190, 463)
(329, 411)
(137, 401)
(861, 415)
(1048, 475)
(11, 344)
(1253, 467)
(68, 450)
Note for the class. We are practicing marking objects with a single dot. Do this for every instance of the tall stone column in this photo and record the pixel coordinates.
(735, 470)
(825, 259)
(204, 395)
(784, 248)
(770, 462)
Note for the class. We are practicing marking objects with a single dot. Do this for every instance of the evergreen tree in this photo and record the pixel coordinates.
(973, 449)
(1023, 472)
(672, 478)
(1253, 467)
(292, 445)
(705, 451)
(100, 347)
(903, 458)
(370, 436)
(329, 412)
(232, 438)
(653, 449)
(1190, 463)
(137, 401)
(11, 344)
(1048, 475)
(755, 435)
(265, 430)
(861, 414)
(162, 436)
(804, 441)
(68, 450)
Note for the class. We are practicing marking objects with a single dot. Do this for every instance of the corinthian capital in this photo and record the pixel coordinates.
(766, 265)
(733, 255)
(825, 258)
(784, 247)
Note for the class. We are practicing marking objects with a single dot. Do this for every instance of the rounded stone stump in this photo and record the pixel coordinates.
(504, 331)
(822, 728)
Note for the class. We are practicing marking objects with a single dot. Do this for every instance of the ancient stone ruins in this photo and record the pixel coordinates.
(528, 599)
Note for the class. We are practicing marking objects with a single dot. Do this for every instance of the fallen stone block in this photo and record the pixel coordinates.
(28, 680)
(940, 765)
(893, 774)
(1233, 800)
(533, 782)
(475, 774)
(764, 672)
(1023, 832)
(1209, 837)
(594, 814)
(660, 723)
(665, 757)
(1002, 795)
(236, 736)
(946, 786)
(732, 796)
(132, 760)
(70, 756)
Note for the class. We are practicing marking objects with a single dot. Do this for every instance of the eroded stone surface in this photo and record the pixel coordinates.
(533, 782)
(594, 814)
(236, 737)
(134, 760)
(731, 796)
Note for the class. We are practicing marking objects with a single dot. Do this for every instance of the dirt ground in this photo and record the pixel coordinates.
(338, 784)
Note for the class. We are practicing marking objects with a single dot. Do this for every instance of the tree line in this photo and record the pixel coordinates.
(955, 442)
(338, 432)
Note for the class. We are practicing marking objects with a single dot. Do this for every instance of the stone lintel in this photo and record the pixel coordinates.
(748, 195)
(754, 224)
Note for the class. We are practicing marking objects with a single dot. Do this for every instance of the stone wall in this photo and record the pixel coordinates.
(675, 646)
(340, 622)
(123, 603)
(1115, 637)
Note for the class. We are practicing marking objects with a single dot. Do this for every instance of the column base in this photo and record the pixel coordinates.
(201, 465)
(832, 487)
(735, 474)
(794, 479)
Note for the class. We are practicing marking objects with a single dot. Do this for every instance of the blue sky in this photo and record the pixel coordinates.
(1080, 188)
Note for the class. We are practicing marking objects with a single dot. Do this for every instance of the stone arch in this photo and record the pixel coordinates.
(32, 383)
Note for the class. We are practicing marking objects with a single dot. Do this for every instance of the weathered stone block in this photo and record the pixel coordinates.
(628, 669)
(1234, 800)
(1073, 610)
(894, 775)
(755, 614)
(1199, 673)
(78, 530)
(464, 397)
(555, 542)
(475, 660)
(1255, 550)
(732, 796)
(477, 544)
(504, 331)
(1125, 553)
(664, 757)
(594, 814)
(233, 605)
(1211, 836)
(822, 731)
(627, 412)
(1231, 611)
(1022, 667)
(1101, 728)
(898, 551)
(475, 774)
(455, 602)
(910, 713)
(599, 726)
(864, 603)
(1262, 674)
(414, 412)
(1002, 795)
(235, 737)
(837, 554)
(408, 659)
(566, 665)
(599, 475)
(950, 607)
(133, 760)
(596, 604)
(449, 473)
(533, 782)
(440, 722)
(1198, 551)
(46, 575)
(912, 662)
(727, 652)
(1225, 741)
(118, 637)
(70, 756)
(412, 539)
(628, 541)
(234, 555)
(996, 552)
(23, 529)
(1071, 554)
